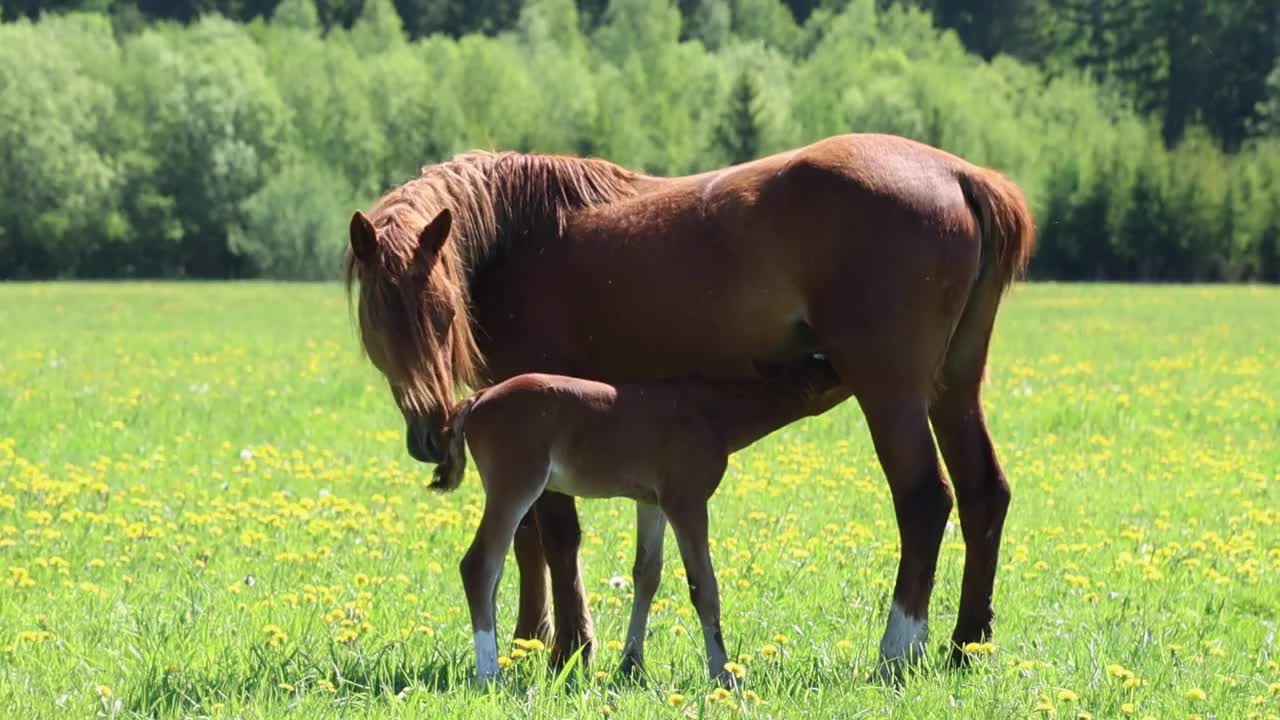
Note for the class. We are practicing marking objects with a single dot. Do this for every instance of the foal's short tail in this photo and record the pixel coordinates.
(1005, 221)
(450, 470)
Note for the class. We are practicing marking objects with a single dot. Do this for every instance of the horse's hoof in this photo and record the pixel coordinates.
(891, 671)
(561, 655)
(631, 669)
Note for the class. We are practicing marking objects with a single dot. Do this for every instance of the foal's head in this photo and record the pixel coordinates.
(413, 316)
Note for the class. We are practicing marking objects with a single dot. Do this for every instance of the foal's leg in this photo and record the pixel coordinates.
(899, 425)
(481, 567)
(689, 523)
(651, 526)
(561, 538)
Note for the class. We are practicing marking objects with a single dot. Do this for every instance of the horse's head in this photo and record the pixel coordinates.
(413, 317)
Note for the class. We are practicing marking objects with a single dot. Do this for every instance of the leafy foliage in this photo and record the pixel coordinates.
(201, 149)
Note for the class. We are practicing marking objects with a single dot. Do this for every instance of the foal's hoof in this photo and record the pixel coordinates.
(726, 680)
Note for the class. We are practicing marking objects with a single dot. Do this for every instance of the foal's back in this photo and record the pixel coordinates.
(593, 439)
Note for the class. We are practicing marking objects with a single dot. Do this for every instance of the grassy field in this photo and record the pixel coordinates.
(206, 510)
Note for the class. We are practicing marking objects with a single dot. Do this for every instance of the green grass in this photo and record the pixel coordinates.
(162, 443)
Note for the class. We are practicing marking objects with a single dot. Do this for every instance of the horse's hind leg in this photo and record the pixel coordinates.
(900, 432)
(980, 485)
(481, 567)
(651, 526)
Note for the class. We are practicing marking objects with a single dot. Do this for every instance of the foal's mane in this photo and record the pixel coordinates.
(496, 199)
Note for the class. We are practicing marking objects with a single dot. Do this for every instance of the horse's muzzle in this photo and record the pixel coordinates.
(423, 445)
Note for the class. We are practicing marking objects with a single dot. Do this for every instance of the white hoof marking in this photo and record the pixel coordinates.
(486, 655)
(904, 637)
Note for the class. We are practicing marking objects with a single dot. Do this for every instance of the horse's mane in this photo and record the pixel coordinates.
(496, 199)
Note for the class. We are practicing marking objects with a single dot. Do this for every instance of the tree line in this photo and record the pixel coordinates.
(232, 138)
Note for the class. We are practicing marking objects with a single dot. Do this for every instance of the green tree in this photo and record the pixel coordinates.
(297, 14)
(58, 186)
(737, 137)
(293, 227)
(378, 29)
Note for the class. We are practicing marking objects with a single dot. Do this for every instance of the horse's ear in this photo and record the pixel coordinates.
(435, 233)
(364, 238)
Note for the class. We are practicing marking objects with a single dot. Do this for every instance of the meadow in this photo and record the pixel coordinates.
(206, 510)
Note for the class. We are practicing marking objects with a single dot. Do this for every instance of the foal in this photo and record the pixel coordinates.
(664, 445)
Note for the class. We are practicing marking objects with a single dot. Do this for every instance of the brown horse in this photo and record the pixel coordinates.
(888, 256)
(663, 444)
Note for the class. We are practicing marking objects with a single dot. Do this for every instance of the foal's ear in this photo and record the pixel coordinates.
(364, 239)
(435, 233)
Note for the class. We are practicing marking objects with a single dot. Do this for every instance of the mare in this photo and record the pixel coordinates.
(888, 256)
(665, 445)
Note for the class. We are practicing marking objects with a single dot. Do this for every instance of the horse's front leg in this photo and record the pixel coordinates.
(561, 537)
(533, 618)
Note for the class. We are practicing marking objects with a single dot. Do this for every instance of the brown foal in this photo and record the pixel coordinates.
(663, 444)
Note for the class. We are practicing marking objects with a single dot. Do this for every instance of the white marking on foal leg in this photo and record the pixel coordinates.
(904, 640)
(486, 655)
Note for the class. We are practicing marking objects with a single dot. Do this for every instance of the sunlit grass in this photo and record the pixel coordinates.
(206, 510)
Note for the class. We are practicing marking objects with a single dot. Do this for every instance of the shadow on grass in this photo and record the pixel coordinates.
(267, 676)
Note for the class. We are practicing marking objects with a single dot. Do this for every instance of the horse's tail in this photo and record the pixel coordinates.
(1004, 222)
(1007, 236)
(450, 470)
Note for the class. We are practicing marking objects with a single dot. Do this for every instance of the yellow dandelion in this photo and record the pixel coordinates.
(737, 669)
(1116, 670)
(517, 654)
(1065, 695)
(718, 695)
(1194, 694)
(780, 639)
(285, 686)
(675, 699)
(103, 691)
(614, 645)
(504, 661)
(769, 650)
(1128, 708)
(607, 709)
(844, 645)
(533, 645)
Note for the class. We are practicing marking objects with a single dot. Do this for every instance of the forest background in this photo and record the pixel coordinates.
(233, 138)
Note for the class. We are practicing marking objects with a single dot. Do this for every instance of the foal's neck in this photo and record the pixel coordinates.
(745, 411)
